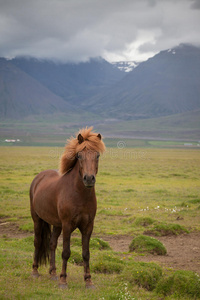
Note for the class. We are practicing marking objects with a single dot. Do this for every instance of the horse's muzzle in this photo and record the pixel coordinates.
(89, 180)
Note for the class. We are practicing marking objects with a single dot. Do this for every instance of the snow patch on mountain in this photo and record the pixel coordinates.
(126, 66)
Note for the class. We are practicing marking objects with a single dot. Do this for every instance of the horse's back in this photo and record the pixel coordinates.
(41, 178)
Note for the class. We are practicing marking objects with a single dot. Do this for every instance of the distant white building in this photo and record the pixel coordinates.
(12, 141)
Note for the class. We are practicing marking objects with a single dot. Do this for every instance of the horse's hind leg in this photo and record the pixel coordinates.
(53, 244)
(37, 244)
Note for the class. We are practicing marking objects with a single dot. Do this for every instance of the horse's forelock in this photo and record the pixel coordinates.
(91, 141)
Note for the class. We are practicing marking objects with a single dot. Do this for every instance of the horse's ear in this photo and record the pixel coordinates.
(80, 138)
(99, 136)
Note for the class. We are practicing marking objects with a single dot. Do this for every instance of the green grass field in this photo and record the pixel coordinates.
(134, 185)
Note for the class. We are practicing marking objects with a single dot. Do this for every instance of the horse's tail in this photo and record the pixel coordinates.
(44, 250)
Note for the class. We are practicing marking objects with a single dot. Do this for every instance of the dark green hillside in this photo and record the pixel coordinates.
(185, 126)
(55, 129)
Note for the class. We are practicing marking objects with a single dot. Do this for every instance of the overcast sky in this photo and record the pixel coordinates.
(75, 30)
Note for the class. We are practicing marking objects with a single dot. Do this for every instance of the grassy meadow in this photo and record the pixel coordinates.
(134, 185)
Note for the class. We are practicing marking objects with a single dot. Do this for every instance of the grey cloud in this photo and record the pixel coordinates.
(75, 30)
(195, 4)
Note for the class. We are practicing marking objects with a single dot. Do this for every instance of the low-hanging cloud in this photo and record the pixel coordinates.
(75, 30)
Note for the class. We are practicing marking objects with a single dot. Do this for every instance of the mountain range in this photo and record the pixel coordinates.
(166, 84)
(29, 86)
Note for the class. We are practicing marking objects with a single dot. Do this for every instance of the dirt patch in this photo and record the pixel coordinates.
(183, 251)
(119, 243)
(11, 230)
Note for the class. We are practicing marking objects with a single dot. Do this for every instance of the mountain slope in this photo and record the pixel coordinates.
(168, 83)
(21, 95)
(184, 126)
(73, 82)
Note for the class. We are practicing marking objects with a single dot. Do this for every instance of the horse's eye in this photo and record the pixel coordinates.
(98, 155)
(78, 155)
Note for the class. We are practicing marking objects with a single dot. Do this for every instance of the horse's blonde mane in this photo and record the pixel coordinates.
(90, 140)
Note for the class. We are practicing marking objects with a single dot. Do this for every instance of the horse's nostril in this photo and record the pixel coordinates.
(89, 180)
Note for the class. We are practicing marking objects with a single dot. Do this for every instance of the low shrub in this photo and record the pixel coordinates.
(96, 243)
(145, 275)
(145, 221)
(180, 284)
(107, 263)
(146, 244)
(163, 229)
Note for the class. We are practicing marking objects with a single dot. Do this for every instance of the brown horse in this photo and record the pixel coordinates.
(67, 201)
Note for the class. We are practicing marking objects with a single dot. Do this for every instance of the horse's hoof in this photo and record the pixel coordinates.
(54, 277)
(35, 275)
(90, 286)
(63, 286)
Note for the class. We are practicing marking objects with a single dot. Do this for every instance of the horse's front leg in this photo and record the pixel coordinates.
(65, 254)
(86, 234)
(53, 244)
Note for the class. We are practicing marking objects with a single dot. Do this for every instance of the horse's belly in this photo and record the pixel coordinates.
(45, 203)
(46, 209)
